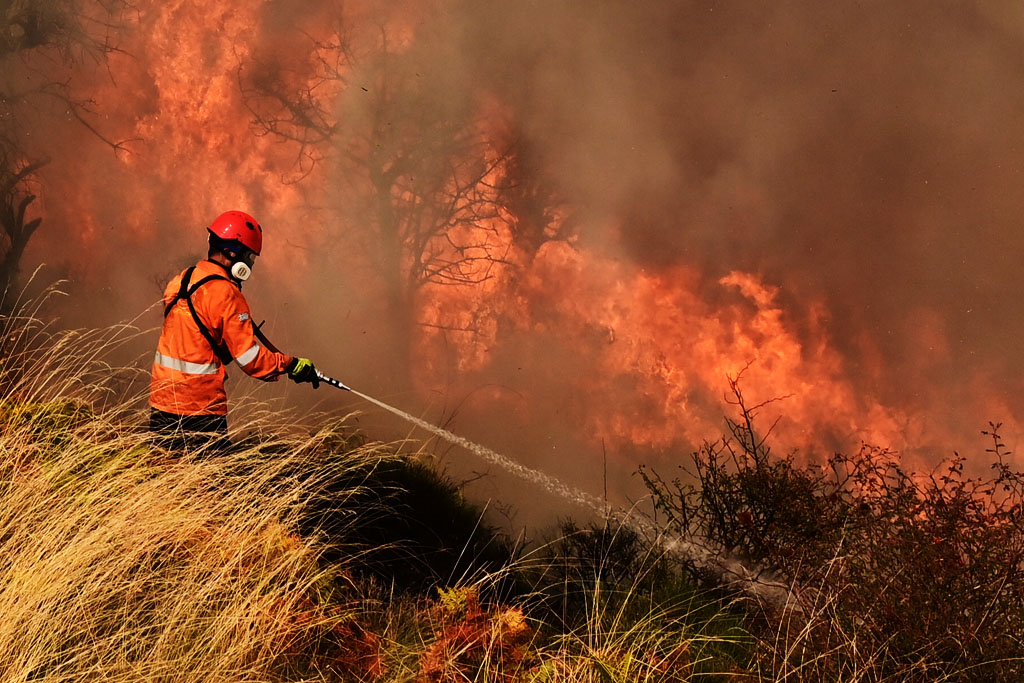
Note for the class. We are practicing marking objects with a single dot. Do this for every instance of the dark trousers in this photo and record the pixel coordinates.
(190, 432)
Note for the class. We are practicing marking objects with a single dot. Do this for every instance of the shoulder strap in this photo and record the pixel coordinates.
(186, 277)
(185, 292)
(263, 338)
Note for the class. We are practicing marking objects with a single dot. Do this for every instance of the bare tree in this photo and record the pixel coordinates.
(435, 185)
(541, 213)
(430, 191)
(424, 184)
(292, 100)
(15, 198)
(37, 39)
(73, 29)
(432, 185)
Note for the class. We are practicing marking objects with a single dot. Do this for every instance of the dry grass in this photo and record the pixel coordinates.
(122, 561)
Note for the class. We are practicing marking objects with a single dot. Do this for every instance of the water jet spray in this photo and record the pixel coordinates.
(545, 481)
(728, 568)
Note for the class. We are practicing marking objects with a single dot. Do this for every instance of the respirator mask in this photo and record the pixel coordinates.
(241, 268)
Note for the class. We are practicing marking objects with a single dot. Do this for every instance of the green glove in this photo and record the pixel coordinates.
(302, 370)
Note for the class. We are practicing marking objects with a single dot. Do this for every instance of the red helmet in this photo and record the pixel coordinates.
(238, 226)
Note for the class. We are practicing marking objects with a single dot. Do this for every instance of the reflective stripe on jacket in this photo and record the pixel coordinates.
(188, 378)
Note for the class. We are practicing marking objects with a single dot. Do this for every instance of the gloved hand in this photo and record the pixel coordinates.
(302, 370)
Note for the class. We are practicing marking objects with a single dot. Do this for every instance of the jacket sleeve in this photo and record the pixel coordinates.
(240, 338)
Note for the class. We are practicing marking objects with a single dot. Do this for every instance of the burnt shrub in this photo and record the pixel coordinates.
(894, 573)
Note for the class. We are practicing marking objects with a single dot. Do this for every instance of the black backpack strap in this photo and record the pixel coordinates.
(185, 292)
(263, 338)
(186, 277)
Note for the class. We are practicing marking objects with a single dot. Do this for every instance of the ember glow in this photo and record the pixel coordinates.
(580, 221)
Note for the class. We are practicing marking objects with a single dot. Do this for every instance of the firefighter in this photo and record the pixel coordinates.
(207, 326)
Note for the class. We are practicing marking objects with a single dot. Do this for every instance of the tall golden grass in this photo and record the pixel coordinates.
(122, 561)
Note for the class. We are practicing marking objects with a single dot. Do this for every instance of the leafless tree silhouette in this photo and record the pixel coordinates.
(39, 39)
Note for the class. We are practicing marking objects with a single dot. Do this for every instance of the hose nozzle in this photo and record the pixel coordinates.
(333, 382)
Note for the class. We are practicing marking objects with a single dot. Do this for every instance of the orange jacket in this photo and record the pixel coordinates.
(188, 376)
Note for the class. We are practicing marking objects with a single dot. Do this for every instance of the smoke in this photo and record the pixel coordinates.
(821, 196)
(864, 155)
